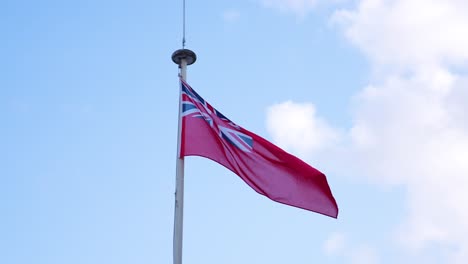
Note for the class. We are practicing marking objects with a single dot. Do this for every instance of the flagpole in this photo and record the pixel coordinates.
(181, 57)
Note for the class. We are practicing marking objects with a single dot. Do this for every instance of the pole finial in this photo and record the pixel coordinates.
(186, 54)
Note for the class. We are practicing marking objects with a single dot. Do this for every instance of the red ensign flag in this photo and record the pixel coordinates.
(265, 167)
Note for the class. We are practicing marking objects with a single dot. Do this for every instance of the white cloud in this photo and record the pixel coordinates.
(364, 255)
(298, 7)
(296, 127)
(405, 132)
(410, 125)
(409, 32)
(335, 244)
(231, 15)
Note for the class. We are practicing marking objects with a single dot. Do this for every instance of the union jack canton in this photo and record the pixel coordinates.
(194, 106)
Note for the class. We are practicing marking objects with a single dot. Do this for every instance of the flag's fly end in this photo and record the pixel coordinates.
(184, 54)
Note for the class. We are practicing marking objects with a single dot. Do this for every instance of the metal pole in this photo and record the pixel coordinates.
(183, 58)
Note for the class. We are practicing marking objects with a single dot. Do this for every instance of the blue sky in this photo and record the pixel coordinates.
(371, 92)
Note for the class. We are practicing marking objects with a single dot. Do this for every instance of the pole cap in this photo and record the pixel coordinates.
(186, 54)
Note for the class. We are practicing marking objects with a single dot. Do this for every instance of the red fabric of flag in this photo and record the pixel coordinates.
(265, 167)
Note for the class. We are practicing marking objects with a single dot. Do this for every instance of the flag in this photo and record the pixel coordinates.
(266, 168)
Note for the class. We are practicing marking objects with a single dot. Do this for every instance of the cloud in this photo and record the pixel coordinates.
(296, 127)
(298, 7)
(231, 15)
(410, 124)
(364, 255)
(415, 31)
(406, 132)
(335, 244)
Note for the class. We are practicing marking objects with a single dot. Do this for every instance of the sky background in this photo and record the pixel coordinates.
(371, 92)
